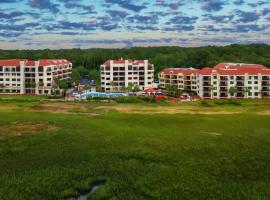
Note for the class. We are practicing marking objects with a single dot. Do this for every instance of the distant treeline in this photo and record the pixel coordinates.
(161, 57)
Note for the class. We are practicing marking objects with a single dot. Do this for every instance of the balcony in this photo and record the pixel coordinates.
(240, 95)
(206, 95)
(206, 78)
(223, 95)
(240, 84)
(265, 94)
(265, 83)
(266, 89)
(224, 78)
(223, 84)
(206, 84)
(240, 78)
(265, 78)
(222, 89)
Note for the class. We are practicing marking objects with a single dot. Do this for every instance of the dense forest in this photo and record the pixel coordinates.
(87, 61)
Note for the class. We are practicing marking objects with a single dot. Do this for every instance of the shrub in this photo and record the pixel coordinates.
(129, 99)
(205, 103)
(228, 102)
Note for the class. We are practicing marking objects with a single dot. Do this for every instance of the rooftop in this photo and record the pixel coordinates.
(42, 62)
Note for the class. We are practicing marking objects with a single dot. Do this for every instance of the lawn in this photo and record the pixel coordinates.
(57, 150)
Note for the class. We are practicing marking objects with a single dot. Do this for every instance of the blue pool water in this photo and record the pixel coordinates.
(97, 94)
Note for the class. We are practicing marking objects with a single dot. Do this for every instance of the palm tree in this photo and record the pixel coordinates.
(212, 88)
(112, 85)
(246, 91)
(136, 88)
(232, 91)
(86, 87)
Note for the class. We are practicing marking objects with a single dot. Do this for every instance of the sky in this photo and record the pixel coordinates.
(61, 24)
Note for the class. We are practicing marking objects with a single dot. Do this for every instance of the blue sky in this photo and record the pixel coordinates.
(38, 24)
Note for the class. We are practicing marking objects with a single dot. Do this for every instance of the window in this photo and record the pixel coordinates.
(18, 79)
(250, 77)
(14, 79)
(255, 82)
(255, 88)
(256, 77)
(249, 82)
(231, 82)
(231, 77)
(215, 77)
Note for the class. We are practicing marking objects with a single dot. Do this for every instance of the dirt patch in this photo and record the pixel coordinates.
(266, 112)
(212, 133)
(61, 107)
(162, 110)
(18, 129)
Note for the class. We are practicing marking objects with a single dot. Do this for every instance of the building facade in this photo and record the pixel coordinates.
(116, 74)
(32, 77)
(184, 78)
(225, 80)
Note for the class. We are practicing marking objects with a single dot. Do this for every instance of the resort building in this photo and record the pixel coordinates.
(225, 80)
(32, 77)
(184, 78)
(116, 74)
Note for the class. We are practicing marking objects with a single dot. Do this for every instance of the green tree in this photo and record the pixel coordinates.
(136, 88)
(112, 85)
(232, 91)
(247, 91)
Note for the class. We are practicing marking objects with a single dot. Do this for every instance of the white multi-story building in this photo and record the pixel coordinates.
(184, 78)
(225, 80)
(32, 77)
(116, 74)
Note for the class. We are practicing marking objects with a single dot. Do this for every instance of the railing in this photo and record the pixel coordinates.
(240, 78)
(223, 84)
(240, 84)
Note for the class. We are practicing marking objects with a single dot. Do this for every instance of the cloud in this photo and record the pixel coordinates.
(127, 4)
(172, 5)
(44, 5)
(246, 17)
(9, 1)
(10, 15)
(239, 2)
(220, 18)
(212, 5)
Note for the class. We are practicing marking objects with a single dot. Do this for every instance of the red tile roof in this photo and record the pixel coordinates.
(223, 69)
(13, 62)
(176, 71)
(42, 62)
(121, 61)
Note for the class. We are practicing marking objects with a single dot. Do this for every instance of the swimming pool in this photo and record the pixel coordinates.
(99, 94)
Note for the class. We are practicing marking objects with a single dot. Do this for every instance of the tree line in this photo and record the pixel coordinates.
(87, 61)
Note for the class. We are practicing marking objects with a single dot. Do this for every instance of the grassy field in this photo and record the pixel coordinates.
(56, 150)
